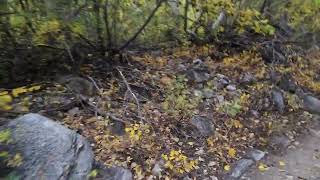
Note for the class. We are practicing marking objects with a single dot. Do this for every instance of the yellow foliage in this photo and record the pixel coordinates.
(136, 131)
(34, 88)
(48, 31)
(16, 92)
(177, 162)
(4, 93)
(16, 161)
(262, 167)
(282, 163)
(5, 100)
(227, 167)
(232, 152)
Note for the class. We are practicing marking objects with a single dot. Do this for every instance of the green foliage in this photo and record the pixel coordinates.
(93, 173)
(10, 160)
(5, 136)
(231, 108)
(179, 100)
(113, 22)
(252, 19)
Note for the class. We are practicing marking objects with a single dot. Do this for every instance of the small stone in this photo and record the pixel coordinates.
(278, 100)
(231, 87)
(197, 62)
(241, 167)
(208, 93)
(213, 178)
(74, 111)
(256, 154)
(203, 125)
(255, 113)
(223, 82)
(296, 143)
(212, 163)
(247, 79)
(198, 93)
(157, 169)
(280, 142)
(199, 152)
(182, 67)
(220, 99)
(115, 173)
(199, 76)
(221, 76)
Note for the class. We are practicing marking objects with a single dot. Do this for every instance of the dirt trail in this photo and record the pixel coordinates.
(300, 163)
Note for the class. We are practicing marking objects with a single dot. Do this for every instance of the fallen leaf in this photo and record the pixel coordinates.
(232, 152)
(282, 163)
(4, 93)
(262, 167)
(20, 90)
(34, 88)
(5, 99)
(227, 168)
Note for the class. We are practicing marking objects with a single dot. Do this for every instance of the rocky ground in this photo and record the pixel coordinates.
(301, 161)
(183, 114)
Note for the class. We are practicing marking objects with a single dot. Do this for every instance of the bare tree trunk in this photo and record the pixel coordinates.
(106, 21)
(96, 8)
(186, 9)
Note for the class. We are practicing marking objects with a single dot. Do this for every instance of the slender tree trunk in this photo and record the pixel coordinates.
(99, 30)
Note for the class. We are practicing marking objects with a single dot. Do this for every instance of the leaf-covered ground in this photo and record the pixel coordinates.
(155, 137)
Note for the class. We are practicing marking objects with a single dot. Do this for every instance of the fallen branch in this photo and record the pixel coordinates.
(131, 92)
(100, 112)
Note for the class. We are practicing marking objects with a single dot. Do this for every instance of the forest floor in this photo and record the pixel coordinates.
(184, 113)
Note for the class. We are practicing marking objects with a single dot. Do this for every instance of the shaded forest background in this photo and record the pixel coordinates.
(45, 36)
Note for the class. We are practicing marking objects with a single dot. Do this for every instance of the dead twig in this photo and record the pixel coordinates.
(95, 84)
(100, 112)
(131, 92)
(69, 51)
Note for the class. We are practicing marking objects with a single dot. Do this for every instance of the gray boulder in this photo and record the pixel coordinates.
(49, 150)
(256, 154)
(311, 104)
(278, 100)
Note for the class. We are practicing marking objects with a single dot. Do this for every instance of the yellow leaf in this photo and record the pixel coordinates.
(34, 88)
(282, 163)
(262, 167)
(237, 124)
(227, 168)
(4, 93)
(5, 107)
(20, 90)
(232, 152)
(4, 99)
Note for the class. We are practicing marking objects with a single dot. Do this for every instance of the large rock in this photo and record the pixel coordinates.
(49, 150)
(311, 104)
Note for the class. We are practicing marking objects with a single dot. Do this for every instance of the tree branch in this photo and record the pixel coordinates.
(125, 45)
